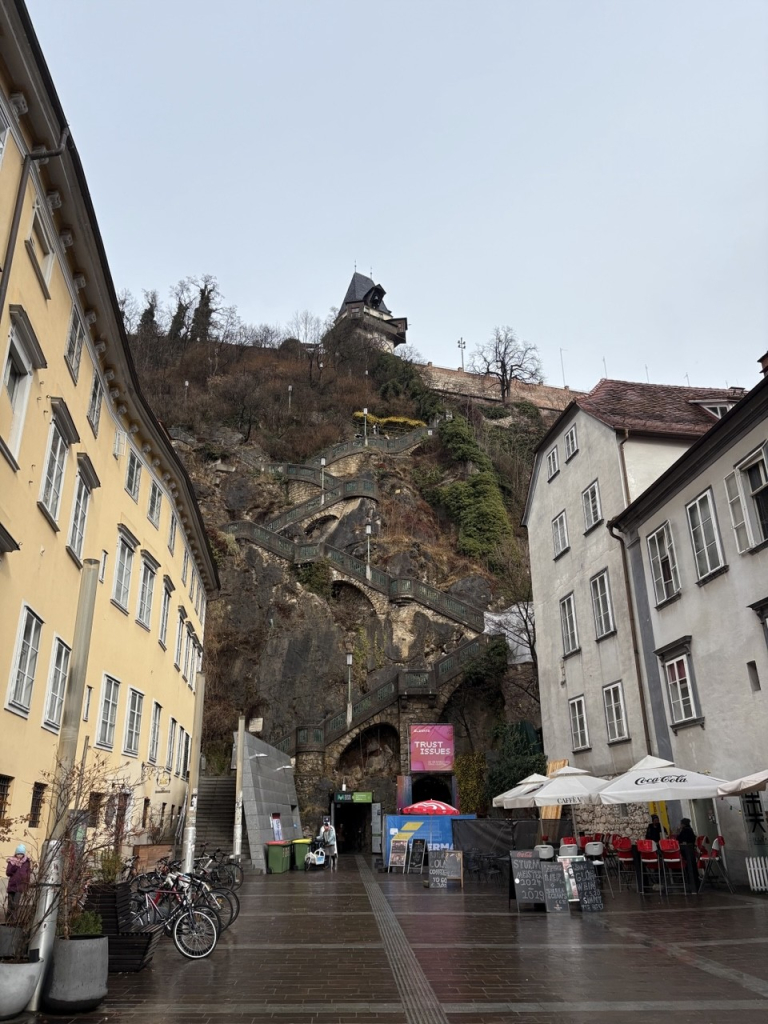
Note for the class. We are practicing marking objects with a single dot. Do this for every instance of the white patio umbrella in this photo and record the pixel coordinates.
(653, 779)
(525, 786)
(748, 784)
(570, 786)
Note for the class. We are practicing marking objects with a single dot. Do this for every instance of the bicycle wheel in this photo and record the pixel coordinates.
(223, 876)
(237, 875)
(220, 902)
(195, 933)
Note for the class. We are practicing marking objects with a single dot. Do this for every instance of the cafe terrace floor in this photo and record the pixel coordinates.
(357, 947)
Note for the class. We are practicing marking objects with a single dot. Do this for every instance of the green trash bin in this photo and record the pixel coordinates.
(279, 856)
(300, 849)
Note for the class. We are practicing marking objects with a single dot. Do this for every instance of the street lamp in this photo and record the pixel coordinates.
(322, 481)
(365, 427)
(290, 394)
(368, 556)
(349, 690)
(462, 345)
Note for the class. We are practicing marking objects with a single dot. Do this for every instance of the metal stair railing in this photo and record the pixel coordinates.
(394, 587)
(408, 682)
(358, 487)
(385, 444)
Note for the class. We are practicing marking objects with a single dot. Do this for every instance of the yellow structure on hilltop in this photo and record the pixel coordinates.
(86, 473)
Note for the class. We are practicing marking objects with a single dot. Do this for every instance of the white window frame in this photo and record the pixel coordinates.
(179, 639)
(553, 463)
(187, 647)
(568, 625)
(172, 727)
(615, 712)
(133, 474)
(146, 592)
(678, 700)
(571, 443)
(121, 591)
(185, 566)
(94, 403)
(87, 698)
(164, 614)
(79, 518)
(703, 553)
(43, 261)
(108, 706)
(179, 751)
(578, 723)
(155, 504)
(590, 503)
(154, 733)
(602, 604)
(756, 526)
(25, 658)
(75, 344)
(172, 528)
(25, 356)
(55, 470)
(560, 533)
(57, 684)
(203, 606)
(663, 563)
(133, 715)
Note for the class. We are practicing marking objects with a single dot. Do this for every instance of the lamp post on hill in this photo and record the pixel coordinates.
(349, 690)
(368, 553)
(322, 481)
(462, 345)
(290, 396)
(365, 427)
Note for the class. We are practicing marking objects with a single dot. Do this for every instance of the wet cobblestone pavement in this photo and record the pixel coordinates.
(360, 947)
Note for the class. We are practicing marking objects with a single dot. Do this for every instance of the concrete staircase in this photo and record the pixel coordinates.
(216, 814)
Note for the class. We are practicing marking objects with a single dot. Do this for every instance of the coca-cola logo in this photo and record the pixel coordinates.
(660, 778)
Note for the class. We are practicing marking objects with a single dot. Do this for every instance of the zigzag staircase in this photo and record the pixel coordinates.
(396, 588)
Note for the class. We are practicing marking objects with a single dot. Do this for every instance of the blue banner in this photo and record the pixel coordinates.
(435, 828)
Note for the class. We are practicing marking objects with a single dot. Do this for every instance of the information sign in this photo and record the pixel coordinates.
(590, 897)
(398, 854)
(555, 891)
(416, 863)
(525, 873)
(445, 866)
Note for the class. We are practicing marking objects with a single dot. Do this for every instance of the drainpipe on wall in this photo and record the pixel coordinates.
(630, 598)
(10, 249)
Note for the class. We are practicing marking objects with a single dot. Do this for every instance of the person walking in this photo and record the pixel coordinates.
(18, 869)
(328, 837)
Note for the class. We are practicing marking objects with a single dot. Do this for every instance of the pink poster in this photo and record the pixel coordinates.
(431, 748)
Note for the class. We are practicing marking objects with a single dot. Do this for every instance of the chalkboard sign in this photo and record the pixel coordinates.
(418, 849)
(525, 872)
(590, 897)
(555, 891)
(445, 866)
(398, 854)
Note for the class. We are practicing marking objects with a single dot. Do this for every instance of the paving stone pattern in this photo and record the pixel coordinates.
(361, 947)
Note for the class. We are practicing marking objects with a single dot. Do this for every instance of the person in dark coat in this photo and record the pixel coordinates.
(18, 869)
(655, 830)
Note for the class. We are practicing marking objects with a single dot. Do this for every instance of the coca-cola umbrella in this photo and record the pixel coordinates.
(757, 782)
(653, 779)
(430, 807)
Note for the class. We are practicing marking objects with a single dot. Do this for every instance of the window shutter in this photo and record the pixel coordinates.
(736, 508)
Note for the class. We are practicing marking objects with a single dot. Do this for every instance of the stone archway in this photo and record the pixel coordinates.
(431, 787)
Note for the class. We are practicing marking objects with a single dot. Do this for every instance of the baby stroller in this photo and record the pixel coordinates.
(316, 857)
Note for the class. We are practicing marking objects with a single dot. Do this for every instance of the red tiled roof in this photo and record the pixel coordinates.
(655, 408)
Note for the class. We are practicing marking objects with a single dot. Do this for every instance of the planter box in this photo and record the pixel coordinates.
(77, 980)
(113, 901)
(17, 983)
(132, 951)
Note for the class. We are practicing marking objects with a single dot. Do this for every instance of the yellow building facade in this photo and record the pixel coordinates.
(86, 473)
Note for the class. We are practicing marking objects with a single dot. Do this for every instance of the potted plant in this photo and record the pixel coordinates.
(20, 971)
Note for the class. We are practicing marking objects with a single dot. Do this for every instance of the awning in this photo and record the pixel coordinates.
(748, 784)
(655, 779)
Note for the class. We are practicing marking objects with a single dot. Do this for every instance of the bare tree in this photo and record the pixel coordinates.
(305, 327)
(507, 358)
(129, 308)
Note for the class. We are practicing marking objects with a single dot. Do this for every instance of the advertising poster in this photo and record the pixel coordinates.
(431, 748)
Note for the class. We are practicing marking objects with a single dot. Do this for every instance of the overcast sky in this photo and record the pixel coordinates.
(592, 173)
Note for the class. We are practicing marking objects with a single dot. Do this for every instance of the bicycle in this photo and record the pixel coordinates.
(194, 929)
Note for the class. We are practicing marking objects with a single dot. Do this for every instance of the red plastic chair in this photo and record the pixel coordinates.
(672, 861)
(583, 840)
(649, 863)
(711, 862)
(568, 841)
(625, 860)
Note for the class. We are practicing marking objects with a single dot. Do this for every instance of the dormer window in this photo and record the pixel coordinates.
(720, 409)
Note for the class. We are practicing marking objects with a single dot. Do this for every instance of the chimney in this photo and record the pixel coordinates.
(763, 360)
